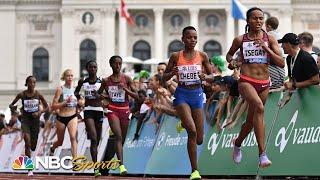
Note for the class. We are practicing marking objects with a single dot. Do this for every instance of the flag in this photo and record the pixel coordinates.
(125, 13)
(238, 10)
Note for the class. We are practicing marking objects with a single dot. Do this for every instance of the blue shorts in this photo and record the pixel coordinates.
(192, 97)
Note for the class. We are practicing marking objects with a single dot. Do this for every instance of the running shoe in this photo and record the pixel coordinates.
(179, 127)
(236, 154)
(97, 173)
(195, 175)
(123, 170)
(30, 173)
(264, 161)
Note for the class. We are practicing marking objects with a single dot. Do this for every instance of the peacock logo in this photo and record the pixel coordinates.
(23, 163)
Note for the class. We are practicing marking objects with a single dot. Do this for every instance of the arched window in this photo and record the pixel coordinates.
(87, 53)
(175, 46)
(40, 64)
(141, 50)
(212, 48)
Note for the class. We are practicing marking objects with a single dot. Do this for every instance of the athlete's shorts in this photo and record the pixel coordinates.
(259, 85)
(192, 97)
(121, 113)
(31, 126)
(97, 116)
(66, 120)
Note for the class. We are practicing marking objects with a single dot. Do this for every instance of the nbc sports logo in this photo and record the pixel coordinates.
(22, 163)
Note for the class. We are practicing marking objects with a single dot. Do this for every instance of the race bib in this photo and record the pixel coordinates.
(73, 102)
(89, 90)
(189, 74)
(253, 53)
(116, 94)
(31, 105)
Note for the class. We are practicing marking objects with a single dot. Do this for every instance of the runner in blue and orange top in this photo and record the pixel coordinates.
(188, 65)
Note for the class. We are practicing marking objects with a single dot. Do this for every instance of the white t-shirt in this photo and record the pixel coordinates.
(144, 108)
(314, 55)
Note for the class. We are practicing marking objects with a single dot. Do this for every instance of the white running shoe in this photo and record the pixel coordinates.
(236, 154)
(264, 161)
(30, 173)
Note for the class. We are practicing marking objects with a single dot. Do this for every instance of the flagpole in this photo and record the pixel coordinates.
(236, 27)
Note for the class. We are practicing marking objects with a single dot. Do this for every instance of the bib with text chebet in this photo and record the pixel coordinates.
(189, 74)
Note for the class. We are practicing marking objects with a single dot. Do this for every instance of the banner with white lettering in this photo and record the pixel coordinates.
(13, 146)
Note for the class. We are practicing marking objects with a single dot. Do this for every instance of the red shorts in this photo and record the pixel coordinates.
(258, 85)
(121, 113)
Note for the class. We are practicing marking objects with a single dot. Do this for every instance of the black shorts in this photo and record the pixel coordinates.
(30, 125)
(97, 116)
(65, 120)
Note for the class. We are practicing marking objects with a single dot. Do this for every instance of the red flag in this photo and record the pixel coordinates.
(125, 13)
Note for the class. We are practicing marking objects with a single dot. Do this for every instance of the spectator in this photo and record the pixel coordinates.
(272, 24)
(14, 123)
(136, 82)
(277, 74)
(161, 68)
(217, 65)
(227, 85)
(215, 89)
(241, 106)
(305, 43)
(302, 69)
(171, 84)
(143, 76)
(140, 111)
(163, 101)
(46, 124)
(318, 60)
(2, 126)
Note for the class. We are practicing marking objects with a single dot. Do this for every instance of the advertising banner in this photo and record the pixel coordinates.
(293, 146)
(136, 154)
(13, 145)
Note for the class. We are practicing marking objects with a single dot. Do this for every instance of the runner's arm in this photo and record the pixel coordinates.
(131, 90)
(11, 106)
(55, 102)
(44, 102)
(236, 44)
(78, 88)
(274, 52)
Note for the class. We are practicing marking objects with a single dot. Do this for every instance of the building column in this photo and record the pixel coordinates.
(68, 52)
(108, 43)
(229, 30)
(158, 33)
(194, 16)
(122, 36)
